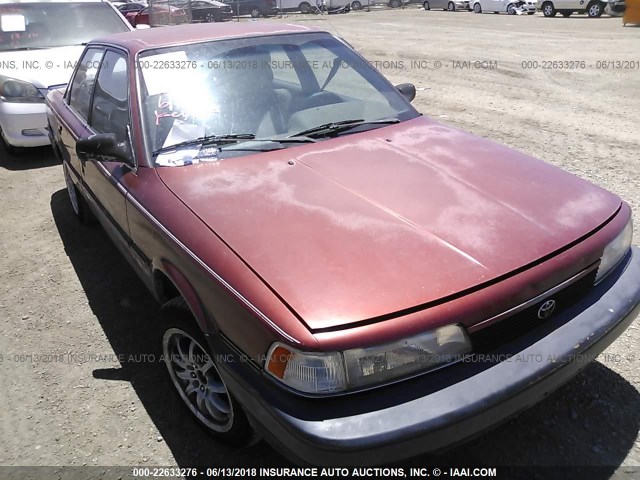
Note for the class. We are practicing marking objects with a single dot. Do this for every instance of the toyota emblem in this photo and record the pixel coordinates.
(546, 309)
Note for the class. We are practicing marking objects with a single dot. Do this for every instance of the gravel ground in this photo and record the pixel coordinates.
(65, 290)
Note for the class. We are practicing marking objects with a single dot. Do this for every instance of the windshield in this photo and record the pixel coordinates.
(266, 88)
(46, 25)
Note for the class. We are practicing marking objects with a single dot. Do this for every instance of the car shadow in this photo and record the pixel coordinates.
(592, 421)
(27, 159)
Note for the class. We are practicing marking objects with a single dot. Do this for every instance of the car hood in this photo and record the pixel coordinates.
(43, 68)
(369, 224)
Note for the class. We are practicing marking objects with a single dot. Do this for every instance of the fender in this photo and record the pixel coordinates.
(182, 285)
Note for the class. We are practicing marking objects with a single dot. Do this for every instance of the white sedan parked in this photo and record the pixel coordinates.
(451, 5)
(512, 7)
(39, 44)
(593, 8)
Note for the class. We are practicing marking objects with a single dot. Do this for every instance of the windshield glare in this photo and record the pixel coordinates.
(267, 87)
(46, 25)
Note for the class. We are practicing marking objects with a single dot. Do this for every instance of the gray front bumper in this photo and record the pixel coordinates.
(447, 406)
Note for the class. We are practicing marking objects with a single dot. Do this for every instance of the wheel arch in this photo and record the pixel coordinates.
(169, 283)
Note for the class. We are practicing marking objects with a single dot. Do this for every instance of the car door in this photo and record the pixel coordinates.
(110, 113)
(244, 6)
(199, 11)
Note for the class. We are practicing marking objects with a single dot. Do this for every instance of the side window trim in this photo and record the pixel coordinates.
(125, 55)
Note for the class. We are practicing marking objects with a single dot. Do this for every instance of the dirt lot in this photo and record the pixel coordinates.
(65, 290)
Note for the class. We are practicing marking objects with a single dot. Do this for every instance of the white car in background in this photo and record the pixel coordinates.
(40, 43)
(593, 8)
(450, 5)
(512, 7)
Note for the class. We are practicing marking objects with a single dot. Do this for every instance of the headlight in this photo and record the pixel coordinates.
(359, 367)
(615, 251)
(17, 91)
(306, 372)
(366, 366)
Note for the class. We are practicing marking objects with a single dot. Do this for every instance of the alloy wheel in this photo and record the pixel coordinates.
(548, 10)
(197, 379)
(595, 10)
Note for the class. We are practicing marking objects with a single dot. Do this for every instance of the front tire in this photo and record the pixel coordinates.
(451, 7)
(194, 373)
(548, 10)
(477, 8)
(305, 7)
(595, 9)
(356, 5)
(255, 13)
(511, 9)
(426, 6)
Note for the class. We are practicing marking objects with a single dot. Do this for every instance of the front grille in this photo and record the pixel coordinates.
(520, 323)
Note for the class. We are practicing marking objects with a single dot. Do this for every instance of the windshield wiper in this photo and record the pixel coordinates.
(280, 140)
(206, 140)
(336, 127)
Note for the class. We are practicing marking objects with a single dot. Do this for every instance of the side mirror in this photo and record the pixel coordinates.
(103, 147)
(408, 90)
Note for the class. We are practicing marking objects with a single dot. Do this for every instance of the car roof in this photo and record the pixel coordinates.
(193, 33)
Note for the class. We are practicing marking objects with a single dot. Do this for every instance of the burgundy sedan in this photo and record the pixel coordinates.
(158, 14)
(347, 277)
